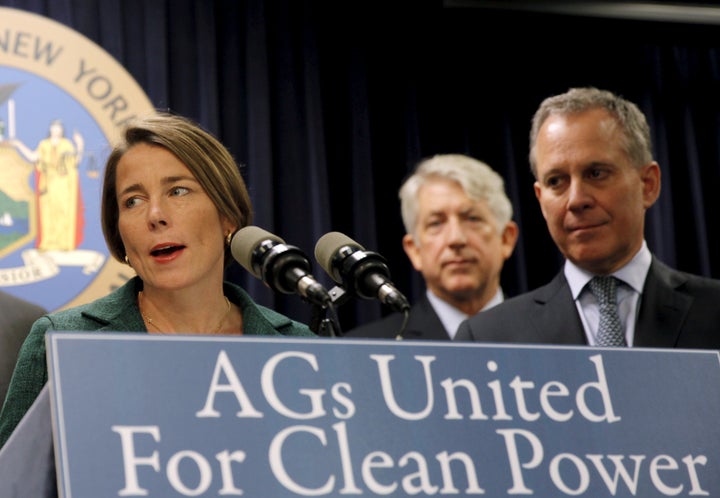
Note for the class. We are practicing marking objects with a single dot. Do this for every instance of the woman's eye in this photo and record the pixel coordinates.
(131, 202)
(179, 191)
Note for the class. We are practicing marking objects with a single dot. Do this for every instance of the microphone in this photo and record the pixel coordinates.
(282, 267)
(363, 272)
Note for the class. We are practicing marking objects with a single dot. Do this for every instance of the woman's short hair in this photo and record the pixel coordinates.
(208, 160)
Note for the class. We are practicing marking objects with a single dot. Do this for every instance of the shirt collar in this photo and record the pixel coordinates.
(632, 274)
(450, 316)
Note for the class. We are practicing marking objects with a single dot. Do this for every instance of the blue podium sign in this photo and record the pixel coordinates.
(145, 415)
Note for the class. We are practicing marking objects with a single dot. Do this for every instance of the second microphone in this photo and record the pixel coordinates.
(363, 272)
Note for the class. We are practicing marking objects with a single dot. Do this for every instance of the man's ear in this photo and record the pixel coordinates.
(650, 177)
(538, 195)
(509, 238)
(413, 251)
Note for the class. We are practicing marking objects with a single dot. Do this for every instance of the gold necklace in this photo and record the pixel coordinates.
(150, 321)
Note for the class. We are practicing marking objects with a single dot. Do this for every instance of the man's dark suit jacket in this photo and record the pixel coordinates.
(16, 319)
(678, 310)
(423, 323)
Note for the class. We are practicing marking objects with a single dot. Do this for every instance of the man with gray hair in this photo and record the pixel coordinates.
(591, 154)
(460, 232)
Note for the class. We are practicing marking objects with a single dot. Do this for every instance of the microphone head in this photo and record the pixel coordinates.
(326, 250)
(361, 272)
(246, 241)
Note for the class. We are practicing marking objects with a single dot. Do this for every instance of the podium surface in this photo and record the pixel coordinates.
(145, 415)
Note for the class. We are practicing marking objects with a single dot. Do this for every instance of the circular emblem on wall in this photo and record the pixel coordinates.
(63, 102)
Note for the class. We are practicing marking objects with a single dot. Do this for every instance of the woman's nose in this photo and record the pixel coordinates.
(156, 215)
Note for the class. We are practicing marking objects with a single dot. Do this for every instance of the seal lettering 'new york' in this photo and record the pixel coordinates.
(29, 46)
(100, 88)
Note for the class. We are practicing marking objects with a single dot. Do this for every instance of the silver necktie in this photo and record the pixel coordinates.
(610, 330)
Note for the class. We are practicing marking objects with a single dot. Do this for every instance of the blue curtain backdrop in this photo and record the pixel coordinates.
(327, 106)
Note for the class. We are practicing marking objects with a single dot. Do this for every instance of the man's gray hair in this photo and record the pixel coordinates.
(479, 181)
(632, 122)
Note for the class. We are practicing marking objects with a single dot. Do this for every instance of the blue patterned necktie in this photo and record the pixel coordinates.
(610, 330)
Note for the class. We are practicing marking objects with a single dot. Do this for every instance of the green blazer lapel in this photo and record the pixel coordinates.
(117, 311)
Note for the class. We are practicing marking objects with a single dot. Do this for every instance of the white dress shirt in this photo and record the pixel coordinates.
(629, 292)
(451, 317)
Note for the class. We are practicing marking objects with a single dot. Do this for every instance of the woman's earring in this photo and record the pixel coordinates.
(127, 261)
(228, 239)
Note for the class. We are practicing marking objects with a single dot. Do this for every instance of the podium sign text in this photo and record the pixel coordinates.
(143, 415)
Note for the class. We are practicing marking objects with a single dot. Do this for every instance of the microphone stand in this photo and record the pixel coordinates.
(320, 323)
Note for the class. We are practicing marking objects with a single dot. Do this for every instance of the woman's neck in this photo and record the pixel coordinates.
(178, 312)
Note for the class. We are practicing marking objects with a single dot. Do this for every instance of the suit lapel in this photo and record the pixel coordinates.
(663, 309)
(555, 316)
(118, 311)
(424, 322)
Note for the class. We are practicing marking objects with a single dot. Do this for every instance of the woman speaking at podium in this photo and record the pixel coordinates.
(172, 199)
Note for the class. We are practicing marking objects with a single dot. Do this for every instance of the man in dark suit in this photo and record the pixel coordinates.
(16, 318)
(460, 232)
(590, 152)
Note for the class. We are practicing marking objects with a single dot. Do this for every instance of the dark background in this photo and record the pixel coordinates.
(328, 105)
